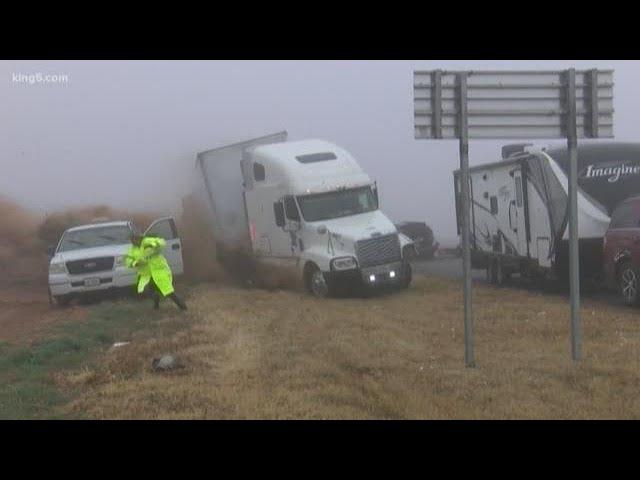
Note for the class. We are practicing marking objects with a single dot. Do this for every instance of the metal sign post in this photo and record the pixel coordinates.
(469, 357)
(574, 265)
(515, 104)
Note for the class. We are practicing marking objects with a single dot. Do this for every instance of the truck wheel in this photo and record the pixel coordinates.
(316, 283)
(628, 277)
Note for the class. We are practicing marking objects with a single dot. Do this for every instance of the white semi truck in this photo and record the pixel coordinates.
(519, 207)
(306, 205)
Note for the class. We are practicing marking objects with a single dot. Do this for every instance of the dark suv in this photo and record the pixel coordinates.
(622, 251)
(422, 237)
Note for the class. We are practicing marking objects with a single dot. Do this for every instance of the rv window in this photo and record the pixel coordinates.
(494, 205)
(519, 191)
(291, 209)
(258, 172)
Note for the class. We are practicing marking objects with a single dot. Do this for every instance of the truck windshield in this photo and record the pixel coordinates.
(342, 203)
(95, 237)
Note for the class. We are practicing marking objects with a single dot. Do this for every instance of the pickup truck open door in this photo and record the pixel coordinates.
(166, 228)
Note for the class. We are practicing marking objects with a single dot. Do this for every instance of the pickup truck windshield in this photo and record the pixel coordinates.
(95, 237)
(341, 203)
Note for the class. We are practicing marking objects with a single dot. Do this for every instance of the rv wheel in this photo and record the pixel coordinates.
(501, 277)
(495, 273)
(316, 283)
(491, 273)
(628, 277)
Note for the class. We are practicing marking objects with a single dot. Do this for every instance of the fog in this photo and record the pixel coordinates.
(126, 133)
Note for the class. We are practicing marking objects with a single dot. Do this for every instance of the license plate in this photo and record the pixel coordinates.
(91, 282)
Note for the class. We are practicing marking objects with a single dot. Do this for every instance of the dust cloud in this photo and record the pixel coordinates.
(23, 256)
(25, 236)
(205, 259)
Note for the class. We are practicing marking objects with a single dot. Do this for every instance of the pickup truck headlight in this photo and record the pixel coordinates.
(119, 261)
(56, 268)
(343, 263)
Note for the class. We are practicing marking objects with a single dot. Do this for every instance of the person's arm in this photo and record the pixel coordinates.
(130, 259)
(133, 259)
(153, 246)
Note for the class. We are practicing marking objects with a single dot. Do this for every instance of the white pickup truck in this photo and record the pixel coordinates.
(90, 258)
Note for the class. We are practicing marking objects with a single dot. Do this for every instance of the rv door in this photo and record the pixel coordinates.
(166, 228)
(517, 213)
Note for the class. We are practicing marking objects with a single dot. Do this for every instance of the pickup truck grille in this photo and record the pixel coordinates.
(378, 250)
(90, 265)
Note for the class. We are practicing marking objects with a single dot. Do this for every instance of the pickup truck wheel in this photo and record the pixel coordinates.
(628, 283)
(61, 300)
(317, 283)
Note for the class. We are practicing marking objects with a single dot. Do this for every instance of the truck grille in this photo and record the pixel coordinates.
(90, 265)
(378, 250)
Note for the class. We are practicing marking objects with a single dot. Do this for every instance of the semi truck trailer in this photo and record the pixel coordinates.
(519, 207)
(305, 205)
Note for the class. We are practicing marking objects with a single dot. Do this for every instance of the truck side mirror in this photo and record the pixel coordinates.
(278, 211)
(51, 250)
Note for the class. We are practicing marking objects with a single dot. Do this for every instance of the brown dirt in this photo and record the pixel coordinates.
(239, 267)
(26, 316)
(53, 225)
(24, 238)
(199, 246)
(25, 313)
(260, 354)
(23, 257)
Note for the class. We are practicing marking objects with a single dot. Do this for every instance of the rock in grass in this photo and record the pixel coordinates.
(165, 363)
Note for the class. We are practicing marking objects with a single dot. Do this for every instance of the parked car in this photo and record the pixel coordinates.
(422, 237)
(91, 257)
(621, 251)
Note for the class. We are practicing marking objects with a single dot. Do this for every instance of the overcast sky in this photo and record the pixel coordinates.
(126, 133)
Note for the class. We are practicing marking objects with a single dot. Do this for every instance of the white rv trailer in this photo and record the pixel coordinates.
(304, 204)
(519, 207)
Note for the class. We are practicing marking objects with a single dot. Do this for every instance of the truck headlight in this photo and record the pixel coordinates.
(56, 268)
(119, 261)
(343, 263)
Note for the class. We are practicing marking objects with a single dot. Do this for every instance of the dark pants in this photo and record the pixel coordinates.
(155, 293)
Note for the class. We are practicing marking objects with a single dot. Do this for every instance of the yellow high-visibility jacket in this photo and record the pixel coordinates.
(149, 262)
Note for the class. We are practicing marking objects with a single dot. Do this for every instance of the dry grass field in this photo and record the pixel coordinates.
(257, 354)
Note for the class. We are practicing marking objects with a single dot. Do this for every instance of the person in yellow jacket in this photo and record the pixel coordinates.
(145, 255)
